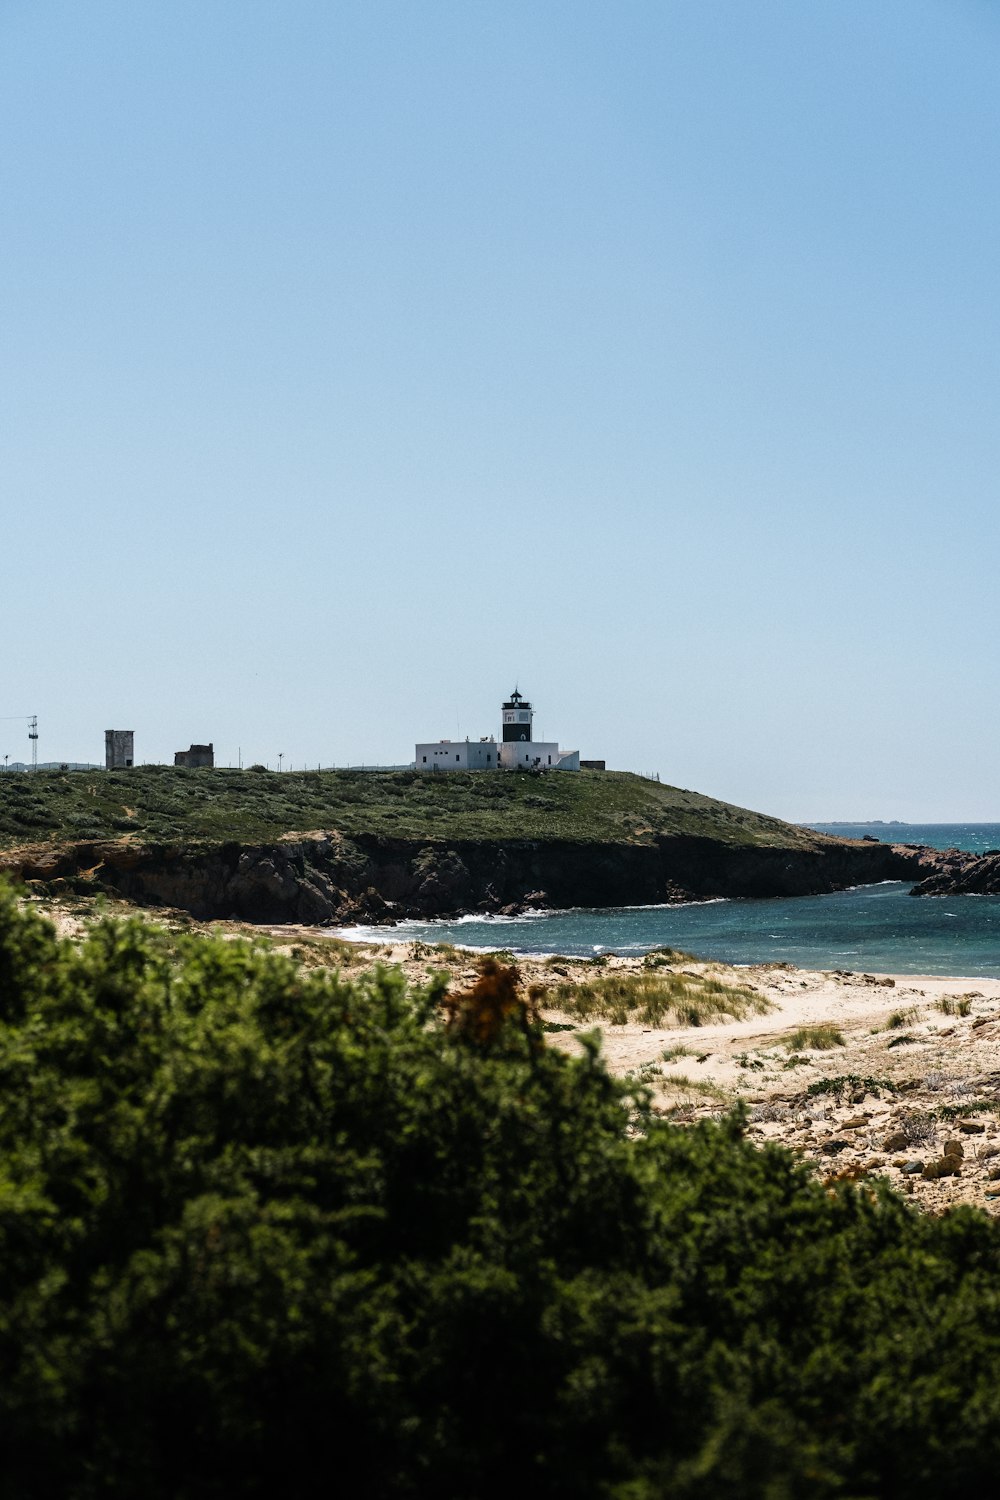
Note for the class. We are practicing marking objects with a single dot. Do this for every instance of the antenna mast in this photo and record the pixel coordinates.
(32, 720)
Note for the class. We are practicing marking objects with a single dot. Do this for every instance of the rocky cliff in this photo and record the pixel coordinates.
(958, 873)
(325, 877)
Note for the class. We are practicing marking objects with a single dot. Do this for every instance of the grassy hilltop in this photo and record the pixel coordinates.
(161, 804)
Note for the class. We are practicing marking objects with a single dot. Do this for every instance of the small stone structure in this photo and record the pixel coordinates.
(197, 756)
(593, 765)
(118, 752)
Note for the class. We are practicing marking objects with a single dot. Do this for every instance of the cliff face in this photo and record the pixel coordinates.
(957, 873)
(326, 878)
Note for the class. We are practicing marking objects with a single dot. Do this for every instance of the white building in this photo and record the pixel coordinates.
(458, 755)
(517, 751)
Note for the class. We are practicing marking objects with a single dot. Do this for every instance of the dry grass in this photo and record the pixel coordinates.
(670, 1054)
(814, 1039)
(682, 1083)
(656, 998)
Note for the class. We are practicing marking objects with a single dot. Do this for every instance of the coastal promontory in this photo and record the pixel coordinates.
(340, 846)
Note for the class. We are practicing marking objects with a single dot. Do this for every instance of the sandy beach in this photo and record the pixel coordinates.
(919, 1064)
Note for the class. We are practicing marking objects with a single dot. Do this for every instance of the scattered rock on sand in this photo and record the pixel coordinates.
(945, 1166)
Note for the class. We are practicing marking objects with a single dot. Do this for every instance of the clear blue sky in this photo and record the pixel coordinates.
(360, 359)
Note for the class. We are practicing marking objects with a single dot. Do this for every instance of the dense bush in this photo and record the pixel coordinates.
(254, 1219)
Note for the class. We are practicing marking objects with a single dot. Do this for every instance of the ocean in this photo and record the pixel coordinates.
(977, 837)
(879, 928)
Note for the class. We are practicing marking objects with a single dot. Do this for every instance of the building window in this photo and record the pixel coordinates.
(487, 757)
(425, 760)
(456, 757)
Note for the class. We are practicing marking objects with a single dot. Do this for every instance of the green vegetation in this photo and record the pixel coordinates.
(851, 1083)
(814, 1039)
(901, 1018)
(259, 1223)
(659, 998)
(970, 1107)
(665, 958)
(167, 804)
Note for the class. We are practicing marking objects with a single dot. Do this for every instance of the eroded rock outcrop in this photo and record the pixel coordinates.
(325, 877)
(958, 873)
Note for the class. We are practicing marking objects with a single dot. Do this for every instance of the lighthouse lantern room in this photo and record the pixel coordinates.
(517, 717)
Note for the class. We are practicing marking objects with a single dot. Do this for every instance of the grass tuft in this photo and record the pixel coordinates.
(657, 998)
(814, 1039)
(684, 1084)
(954, 1005)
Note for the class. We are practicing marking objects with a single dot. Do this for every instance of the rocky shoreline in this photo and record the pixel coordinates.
(958, 873)
(324, 878)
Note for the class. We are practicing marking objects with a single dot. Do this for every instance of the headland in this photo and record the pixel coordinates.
(346, 846)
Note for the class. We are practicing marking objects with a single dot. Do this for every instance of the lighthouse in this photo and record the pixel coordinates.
(520, 751)
(517, 717)
(517, 750)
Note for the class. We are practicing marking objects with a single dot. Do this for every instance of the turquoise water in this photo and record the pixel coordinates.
(876, 927)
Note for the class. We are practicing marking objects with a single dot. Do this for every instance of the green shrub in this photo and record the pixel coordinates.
(258, 1223)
